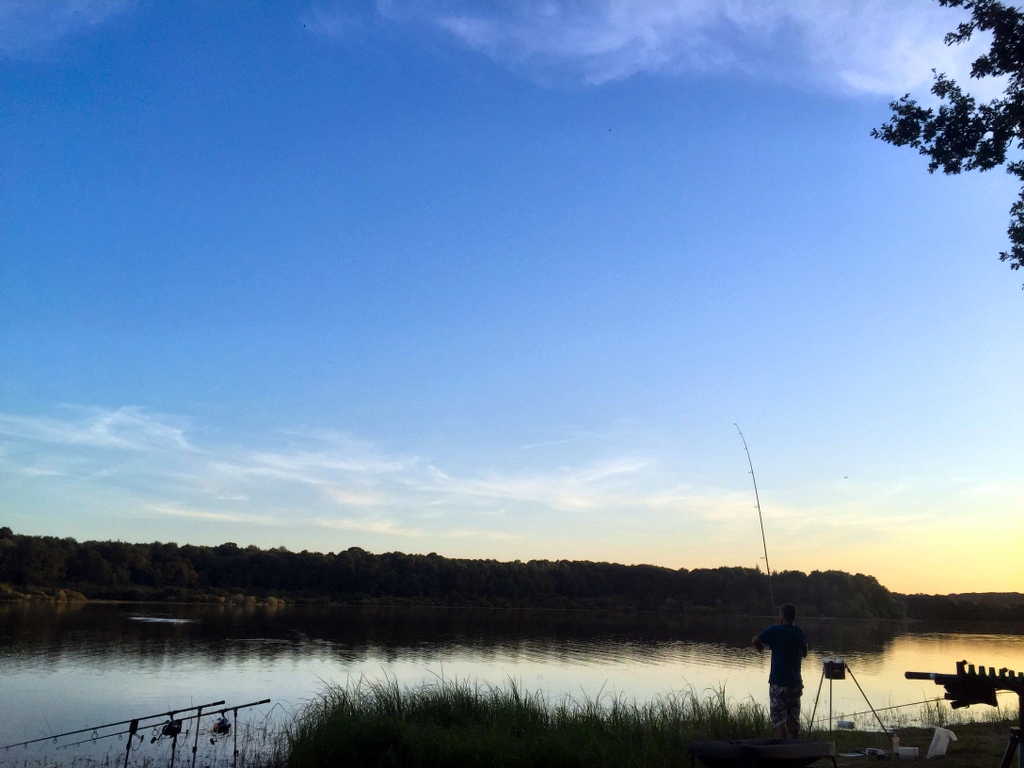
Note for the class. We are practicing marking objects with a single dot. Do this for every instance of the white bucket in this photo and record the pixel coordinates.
(907, 753)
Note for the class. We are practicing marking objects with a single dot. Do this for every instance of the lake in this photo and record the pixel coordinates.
(75, 666)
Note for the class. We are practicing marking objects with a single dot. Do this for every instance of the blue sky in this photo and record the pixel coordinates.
(497, 280)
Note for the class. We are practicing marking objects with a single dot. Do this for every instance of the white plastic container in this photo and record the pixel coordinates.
(907, 753)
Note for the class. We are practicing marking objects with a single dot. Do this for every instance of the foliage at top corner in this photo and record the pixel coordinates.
(963, 135)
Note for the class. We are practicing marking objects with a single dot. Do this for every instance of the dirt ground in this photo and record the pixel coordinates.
(979, 745)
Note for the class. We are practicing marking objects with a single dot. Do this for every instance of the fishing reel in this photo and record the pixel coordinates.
(221, 727)
(170, 730)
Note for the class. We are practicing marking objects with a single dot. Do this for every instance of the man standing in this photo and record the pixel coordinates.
(785, 685)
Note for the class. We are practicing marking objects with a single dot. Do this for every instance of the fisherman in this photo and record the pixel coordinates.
(789, 646)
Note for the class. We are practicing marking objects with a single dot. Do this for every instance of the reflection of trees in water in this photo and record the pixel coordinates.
(45, 634)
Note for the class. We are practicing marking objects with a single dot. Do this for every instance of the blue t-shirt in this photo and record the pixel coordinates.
(788, 643)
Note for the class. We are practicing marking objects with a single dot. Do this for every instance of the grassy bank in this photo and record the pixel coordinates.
(458, 724)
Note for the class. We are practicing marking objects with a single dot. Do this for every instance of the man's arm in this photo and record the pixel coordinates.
(759, 640)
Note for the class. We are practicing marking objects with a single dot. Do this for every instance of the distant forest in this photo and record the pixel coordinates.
(49, 567)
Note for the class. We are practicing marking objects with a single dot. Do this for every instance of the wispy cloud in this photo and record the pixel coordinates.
(337, 21)
(353, 498)
(220, 517)
(591, 487)
(128, 428)
(871, 46)
(30, 24)
(322, 479)
(392, 528)
(388, 527)
(549, 443)
(140, 471)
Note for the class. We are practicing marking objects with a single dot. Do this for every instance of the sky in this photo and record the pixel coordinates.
(500, 280)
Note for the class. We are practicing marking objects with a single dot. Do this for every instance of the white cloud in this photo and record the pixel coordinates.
(29, 24)
(388, 527)
(220, 517)
(128, 428)
(338, 22)
(355, 498)
(862, 46)
(323, 491)
(330, 481)
(42, 472)
(591, 487)
(321, 479)
(392, 528)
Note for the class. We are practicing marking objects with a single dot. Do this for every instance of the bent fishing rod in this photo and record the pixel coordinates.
(760, 517)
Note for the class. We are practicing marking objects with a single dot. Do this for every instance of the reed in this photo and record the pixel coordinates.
(445, 723)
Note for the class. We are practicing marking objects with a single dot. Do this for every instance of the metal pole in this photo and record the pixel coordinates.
(1011, 748)
(195, 747)
(174, 747)
(886, 732)
(131, 734)
(830, 706)
(816, 697)
(760, 517)
(234, 759)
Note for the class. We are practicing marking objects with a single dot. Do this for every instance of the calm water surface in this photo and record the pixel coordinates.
(65, 668)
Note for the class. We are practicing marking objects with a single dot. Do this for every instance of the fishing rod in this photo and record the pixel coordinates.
(100, 738)
(223, 711)
(234, 710)
(171, 714)
(760, 517)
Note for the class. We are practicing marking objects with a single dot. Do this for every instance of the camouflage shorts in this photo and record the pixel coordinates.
(784, 706)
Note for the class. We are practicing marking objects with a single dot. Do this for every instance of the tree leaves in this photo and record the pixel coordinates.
(962, 135)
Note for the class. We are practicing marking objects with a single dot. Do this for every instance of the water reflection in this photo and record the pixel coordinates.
(30, 631)
(80, 664)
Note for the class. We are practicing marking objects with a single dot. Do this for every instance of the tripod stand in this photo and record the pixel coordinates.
(836, 669)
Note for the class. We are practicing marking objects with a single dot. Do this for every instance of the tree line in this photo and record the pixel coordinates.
(43, 565)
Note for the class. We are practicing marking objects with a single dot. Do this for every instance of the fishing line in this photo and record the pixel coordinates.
(937, 699)
(880, 709)
(760, 517)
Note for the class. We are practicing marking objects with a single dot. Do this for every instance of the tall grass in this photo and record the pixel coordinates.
(456, 723)
(941, 714)
(449, 723)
